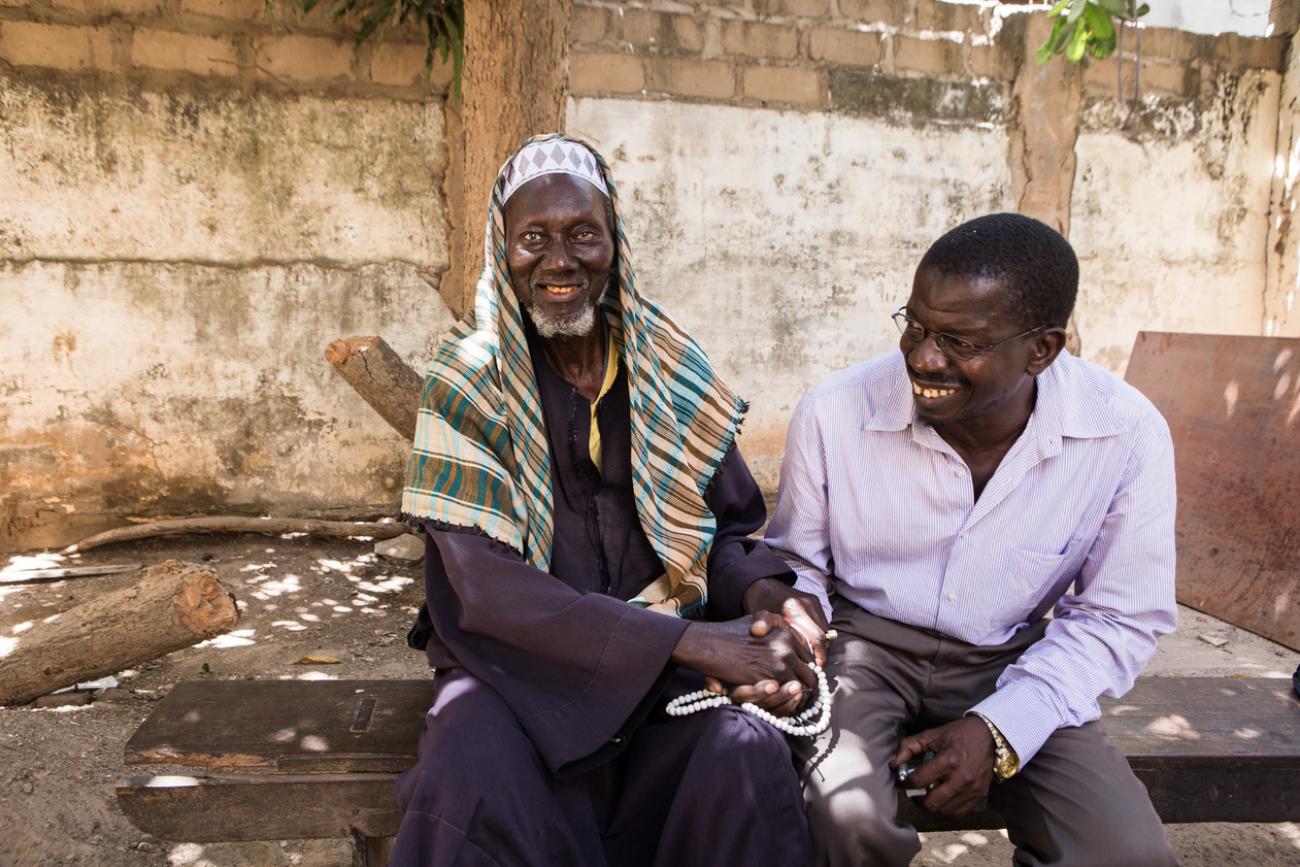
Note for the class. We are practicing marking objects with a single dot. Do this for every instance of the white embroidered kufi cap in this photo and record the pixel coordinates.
(551, 157)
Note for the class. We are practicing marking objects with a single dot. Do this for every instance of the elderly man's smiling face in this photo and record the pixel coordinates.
(560, 251)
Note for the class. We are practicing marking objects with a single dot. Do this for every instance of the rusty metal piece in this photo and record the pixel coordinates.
(1233, 407)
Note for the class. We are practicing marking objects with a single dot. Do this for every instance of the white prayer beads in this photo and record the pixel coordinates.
(797, 725)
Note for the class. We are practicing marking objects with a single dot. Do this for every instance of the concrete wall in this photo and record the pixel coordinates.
(789, 163)
(194, 205)
(197, 201)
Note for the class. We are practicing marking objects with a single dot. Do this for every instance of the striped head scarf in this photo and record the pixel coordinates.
(481, 459)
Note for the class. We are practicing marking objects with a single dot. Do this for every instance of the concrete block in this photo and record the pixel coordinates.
(1166, 78)
(687, 35)
(927, 56)
(845, 47)
(707, 78)
(806, 8)
(406, 548)
(947, 17)
(304, 58)
(56, 46)
(605, 73)
(235, 10)
(588, 24)
(873, 11)
(128, 8)
(780, 41)
(992, 61)
(642, 27)
(401, 64)
(783, 84)
(184, 52)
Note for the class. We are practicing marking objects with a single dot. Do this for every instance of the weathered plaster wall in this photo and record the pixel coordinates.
(1281, 304)
(176, 249)
(783, 240)
(1170, 216)
(193, 201)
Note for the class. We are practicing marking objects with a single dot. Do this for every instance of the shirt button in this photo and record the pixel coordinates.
(952, 597)
(965, 533)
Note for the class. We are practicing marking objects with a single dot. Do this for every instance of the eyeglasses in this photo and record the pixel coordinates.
(952, 346)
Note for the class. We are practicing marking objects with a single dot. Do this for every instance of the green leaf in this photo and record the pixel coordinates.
(1099, 23)
(1056, 10)
(1076, 10)
(1078, 45)
(1142, 10)
(374, 19)
(1114, 7)
(1101, 49)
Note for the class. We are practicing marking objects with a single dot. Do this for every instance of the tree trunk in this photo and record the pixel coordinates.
(515, 82)
(173, 605)
(240, 524)
(381, 377)
(1047, 100)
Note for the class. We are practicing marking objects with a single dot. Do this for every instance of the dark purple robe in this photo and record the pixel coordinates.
(547, 742)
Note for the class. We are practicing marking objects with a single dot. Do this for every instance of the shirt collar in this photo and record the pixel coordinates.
(1067, 405)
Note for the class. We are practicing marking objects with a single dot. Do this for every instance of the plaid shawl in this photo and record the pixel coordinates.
(481, 459)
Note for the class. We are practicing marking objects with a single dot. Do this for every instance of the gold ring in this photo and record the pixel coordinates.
(831, 635)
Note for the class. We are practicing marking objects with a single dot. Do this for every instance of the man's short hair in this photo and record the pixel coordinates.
(1033, 262)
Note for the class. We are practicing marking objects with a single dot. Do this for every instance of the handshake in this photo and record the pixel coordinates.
(762, 659)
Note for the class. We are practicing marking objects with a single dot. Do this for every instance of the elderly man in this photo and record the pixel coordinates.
(582, 494)
(944, 499)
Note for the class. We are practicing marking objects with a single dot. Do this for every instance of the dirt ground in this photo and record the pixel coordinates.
(299, 596)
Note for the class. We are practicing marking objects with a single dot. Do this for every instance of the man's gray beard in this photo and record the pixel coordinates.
(579, 325)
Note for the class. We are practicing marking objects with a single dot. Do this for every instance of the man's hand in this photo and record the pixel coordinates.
(779, 699)
(802, 612)
(962, 765)
(749, 651)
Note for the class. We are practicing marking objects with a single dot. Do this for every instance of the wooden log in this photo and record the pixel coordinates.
(381, 377)
(239, 524)
(173, 605)
(60, 573)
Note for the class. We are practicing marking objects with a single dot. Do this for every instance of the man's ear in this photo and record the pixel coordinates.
(1043, 350)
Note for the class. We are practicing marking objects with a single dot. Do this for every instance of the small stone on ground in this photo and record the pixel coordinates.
(406, 548)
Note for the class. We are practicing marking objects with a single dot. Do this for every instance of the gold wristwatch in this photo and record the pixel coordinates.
(1005, 762)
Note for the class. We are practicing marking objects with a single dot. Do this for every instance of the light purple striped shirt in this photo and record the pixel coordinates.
(882, 512)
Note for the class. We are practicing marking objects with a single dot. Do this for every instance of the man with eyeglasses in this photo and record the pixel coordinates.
(943, 500)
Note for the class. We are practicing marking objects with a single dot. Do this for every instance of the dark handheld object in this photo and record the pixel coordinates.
(904, 771)
(1295, 681)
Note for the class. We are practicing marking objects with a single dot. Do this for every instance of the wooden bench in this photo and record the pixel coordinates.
(265, 760)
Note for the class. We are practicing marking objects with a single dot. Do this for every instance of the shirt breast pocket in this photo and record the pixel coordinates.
(1033, 577)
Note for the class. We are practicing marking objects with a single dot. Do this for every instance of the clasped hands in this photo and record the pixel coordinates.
(763, 658)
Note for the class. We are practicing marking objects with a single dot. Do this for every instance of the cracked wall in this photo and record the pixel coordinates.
(175, 255)
(195, 201)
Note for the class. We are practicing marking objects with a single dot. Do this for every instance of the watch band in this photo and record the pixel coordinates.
(1005, 762)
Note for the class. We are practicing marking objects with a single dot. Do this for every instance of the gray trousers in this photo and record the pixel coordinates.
(1075, 803)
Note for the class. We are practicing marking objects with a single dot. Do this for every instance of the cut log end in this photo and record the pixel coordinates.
(339, 351)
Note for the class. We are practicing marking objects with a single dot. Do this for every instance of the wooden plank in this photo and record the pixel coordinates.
(290, 725)
(1233, 407)
(209, 809)
(374, 725)
(288, 806)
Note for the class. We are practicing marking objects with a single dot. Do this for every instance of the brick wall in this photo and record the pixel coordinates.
(228, 41)
(894, 57)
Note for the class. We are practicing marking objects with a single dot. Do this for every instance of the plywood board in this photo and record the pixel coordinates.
(1233, 407)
